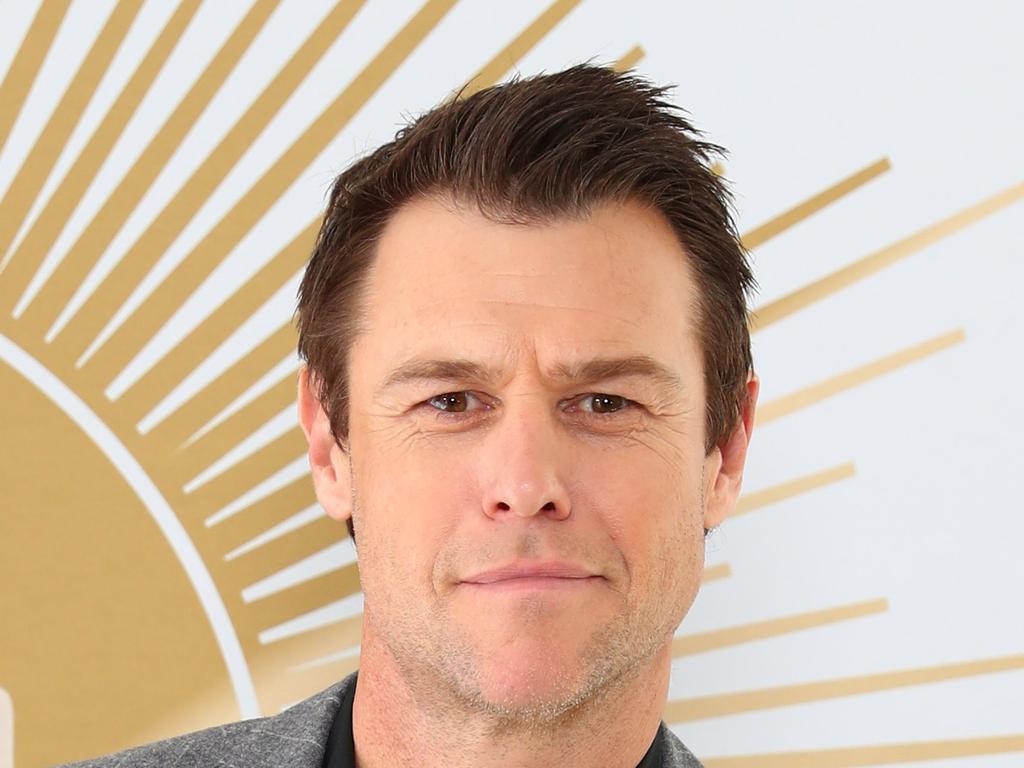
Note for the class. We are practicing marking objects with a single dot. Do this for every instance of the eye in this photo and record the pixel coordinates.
(452, 402)
(606, 405)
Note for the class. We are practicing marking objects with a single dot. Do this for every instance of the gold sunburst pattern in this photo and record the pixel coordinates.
(159, 529)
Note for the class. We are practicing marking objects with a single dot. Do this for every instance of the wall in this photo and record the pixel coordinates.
(162, 169)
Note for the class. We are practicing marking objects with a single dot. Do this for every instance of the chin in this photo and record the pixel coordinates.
(537, 683)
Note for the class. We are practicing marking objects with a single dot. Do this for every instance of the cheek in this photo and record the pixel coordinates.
(653, 511)
(409, 501)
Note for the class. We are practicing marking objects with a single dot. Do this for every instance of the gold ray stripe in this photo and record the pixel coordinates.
(161, 379)
(687, 645)
(198, 410)
(750, 501)
(881, 754)
(224, 322)
(193, 458)
(32, 52)
(522, 44)
(804, 398)
(21, 194)
(90, 245)
(68, 193)
(684, 710)
(779, 224)
(777, 310)
(133, 334)
(505, 59)
(717, 572)
(629, 59)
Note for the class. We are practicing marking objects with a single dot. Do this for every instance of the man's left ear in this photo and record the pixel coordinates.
(724, 465)
(328, 463)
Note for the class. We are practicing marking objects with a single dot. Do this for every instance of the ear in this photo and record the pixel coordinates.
(724, 465)
(328, 463)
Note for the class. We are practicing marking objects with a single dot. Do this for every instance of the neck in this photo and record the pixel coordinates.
(395, 723)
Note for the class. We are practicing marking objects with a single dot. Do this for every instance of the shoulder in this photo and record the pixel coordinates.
(674, 753)
(295, 737)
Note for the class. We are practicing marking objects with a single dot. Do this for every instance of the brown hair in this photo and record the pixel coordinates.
(528, 151)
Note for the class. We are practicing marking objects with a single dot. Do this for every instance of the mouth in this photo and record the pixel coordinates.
(532, 582)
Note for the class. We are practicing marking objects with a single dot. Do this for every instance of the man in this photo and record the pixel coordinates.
(528, 393)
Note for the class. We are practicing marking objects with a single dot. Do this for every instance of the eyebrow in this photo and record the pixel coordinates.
(579, 372)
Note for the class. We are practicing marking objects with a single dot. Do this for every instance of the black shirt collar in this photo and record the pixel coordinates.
(341, 747)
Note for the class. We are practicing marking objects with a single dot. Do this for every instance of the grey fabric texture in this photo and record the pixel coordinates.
(295, 738)
(673, 753)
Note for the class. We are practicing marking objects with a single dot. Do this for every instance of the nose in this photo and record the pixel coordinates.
(525, 474)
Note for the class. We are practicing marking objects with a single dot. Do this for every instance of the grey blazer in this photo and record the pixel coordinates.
(295, 738)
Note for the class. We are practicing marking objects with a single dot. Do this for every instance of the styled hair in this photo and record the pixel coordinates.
(530, 151)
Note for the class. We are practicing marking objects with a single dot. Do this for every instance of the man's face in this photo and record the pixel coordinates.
(527, 536)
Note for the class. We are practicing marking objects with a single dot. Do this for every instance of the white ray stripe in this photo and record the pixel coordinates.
(329, 658)
(6, 730)
(281, 478)
(133, 473)
(141, 35)
(256, 329)
(280, 424)
(332, 613)
(331, 558)
(287, 367)
(296, 521)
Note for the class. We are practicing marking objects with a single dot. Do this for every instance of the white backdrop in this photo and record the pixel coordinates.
(924, 525)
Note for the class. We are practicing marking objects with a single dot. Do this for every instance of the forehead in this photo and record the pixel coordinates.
(450, 280)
